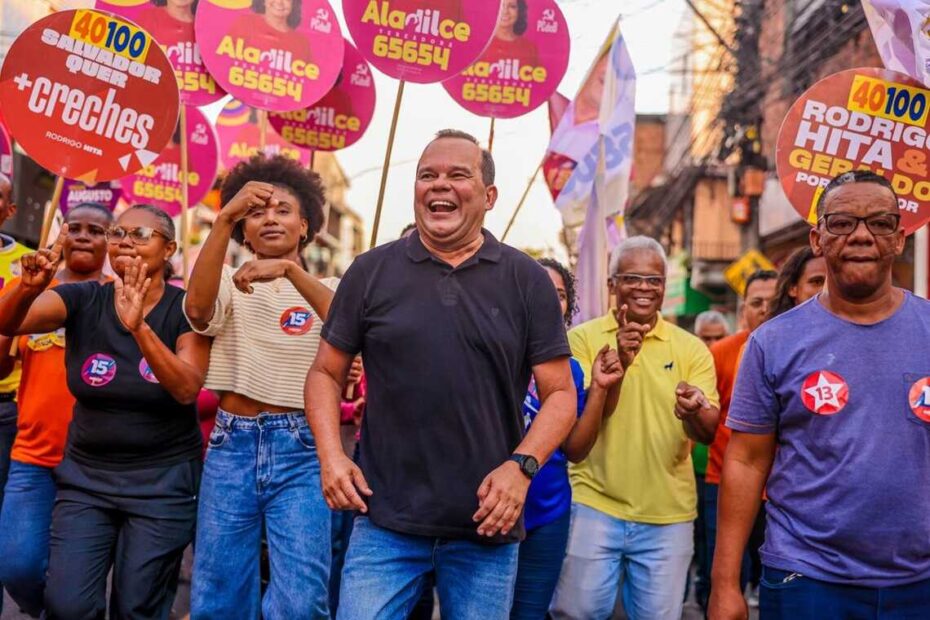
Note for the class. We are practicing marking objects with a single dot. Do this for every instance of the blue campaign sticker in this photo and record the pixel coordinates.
(296, 321)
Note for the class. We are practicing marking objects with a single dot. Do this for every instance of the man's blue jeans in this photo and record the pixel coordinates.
(25, 522)
(650, 560)
(784, 595)
(385, 572)
(538, 568)
(7, 436)
(262, 469)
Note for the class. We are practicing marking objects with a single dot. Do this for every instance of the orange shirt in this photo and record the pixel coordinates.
(45, 403)
(727, 355)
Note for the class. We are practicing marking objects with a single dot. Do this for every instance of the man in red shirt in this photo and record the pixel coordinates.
(757, 297)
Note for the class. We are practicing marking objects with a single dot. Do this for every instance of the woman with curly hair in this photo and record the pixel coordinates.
(261, 466)
(801, 277)
(547, 511)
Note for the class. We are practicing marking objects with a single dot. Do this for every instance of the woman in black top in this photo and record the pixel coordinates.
(127, 487)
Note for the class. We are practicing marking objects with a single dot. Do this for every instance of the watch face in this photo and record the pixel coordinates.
(531, 465)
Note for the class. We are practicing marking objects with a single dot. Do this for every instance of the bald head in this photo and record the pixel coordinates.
(7, 207)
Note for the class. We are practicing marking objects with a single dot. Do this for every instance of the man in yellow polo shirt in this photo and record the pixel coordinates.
(634, 500)
(10, 253)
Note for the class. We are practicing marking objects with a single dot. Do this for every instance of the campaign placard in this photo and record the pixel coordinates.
(280, 55)
(160, 183)
(74, 193)
(240, 137)
(88, 95)
(869, 119)
(340, 118)
(421, 40)
(6, 152)
(171, 23)
(523, 65)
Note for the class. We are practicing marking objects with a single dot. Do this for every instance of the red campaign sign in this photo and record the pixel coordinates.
(88, 95)
(918, 398)
(160, 183)
(421, 40)
(74, 193)
(824, 392)
(276, 55)
(871, 119)
(6, 152)
(237, 127)
(340, 118)
(522, 66)
(171, 23)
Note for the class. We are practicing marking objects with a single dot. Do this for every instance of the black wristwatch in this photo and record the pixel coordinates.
(528, 464)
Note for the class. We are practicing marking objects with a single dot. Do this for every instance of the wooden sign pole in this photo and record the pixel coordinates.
(387, 163)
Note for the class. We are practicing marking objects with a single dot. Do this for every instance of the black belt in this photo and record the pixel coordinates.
(7, 397)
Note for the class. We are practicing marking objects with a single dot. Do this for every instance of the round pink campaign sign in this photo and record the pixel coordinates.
(237, 126)
(341, 117)
(421, 40)
(522, 66)
(171, 24)
(159, 183)
(276, 55)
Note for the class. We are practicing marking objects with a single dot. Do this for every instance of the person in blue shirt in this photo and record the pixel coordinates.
(547, 512)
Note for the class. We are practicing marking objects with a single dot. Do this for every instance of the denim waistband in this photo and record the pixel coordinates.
(290, 419)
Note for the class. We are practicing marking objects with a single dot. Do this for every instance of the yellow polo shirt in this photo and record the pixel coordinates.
(10, 253)
(640, 467)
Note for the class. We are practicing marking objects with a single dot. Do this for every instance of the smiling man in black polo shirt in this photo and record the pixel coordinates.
(451, 323)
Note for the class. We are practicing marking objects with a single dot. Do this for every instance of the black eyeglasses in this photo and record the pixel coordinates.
(880, 224)
(139, 235)
(634, 279)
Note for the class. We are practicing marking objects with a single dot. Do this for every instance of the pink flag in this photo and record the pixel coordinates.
(558, 103)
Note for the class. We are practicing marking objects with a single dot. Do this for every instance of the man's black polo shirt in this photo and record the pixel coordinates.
(448, 357)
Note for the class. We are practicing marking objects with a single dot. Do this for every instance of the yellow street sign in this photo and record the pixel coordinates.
(739, 271)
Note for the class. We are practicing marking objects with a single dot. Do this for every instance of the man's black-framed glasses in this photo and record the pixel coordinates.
(635, 279)
(880, 224)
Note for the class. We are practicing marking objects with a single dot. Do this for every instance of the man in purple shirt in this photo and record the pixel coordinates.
(839, 385)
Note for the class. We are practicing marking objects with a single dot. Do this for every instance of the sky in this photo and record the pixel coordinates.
(649, 27)
(519, 144)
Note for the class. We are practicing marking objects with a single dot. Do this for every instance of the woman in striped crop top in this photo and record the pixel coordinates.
(261, 465)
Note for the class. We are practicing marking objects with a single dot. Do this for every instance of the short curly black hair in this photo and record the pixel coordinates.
(569, 278)
(282, 172)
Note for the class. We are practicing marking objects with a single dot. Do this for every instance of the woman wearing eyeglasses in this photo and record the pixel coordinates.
(547, 511)
(261, 469)
(128, 482)
(45, 407)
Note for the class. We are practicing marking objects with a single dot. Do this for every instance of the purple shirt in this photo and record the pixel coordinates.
(849, 492)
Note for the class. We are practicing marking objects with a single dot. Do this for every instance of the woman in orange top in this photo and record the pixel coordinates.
(45, 406)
